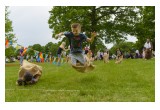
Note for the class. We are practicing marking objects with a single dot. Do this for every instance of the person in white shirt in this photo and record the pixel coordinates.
(148, 49)
(148, 44)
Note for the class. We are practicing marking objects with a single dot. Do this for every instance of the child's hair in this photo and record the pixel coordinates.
(28, 76)
(75, 25)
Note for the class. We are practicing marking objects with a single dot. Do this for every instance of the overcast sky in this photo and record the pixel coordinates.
(30, 24)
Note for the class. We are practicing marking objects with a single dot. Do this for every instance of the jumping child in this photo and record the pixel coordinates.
(76, 38)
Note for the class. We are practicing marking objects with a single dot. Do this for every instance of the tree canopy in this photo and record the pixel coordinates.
(113, 23)
(145, 28)
(9, 35)
(124, 47)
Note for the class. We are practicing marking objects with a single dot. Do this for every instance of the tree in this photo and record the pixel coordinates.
(9, 35)
(145, 28)
(54, 49)
(37, 47)
(30, 52)
(48, 47)
(51, 48)
(124, 47)
(10, 52)
(111, 22)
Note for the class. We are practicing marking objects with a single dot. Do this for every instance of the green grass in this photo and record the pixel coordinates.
(131, 81)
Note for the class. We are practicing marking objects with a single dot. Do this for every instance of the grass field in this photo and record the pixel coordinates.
(131, 81)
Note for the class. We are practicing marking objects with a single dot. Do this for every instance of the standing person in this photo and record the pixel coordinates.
(148, 49)
(148, 44)
(119, 56)
(76, 38)
(21, 55)
(59, 52)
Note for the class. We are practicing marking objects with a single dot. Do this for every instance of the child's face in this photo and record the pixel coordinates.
(76, 31)
(90, 51)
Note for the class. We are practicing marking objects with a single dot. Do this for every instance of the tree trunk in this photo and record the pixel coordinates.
(93, 27)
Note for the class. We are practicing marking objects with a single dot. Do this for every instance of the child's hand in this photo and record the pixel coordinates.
(57, 36)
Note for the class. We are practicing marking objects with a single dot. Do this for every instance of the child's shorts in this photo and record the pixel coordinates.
(77, 57)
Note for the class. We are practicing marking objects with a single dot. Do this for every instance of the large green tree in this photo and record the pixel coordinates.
(9, 35)
(37, 47)
(30, 51)
(145, 28)
(10, 51)
(124, 47)
(51, 48)
(111, 22)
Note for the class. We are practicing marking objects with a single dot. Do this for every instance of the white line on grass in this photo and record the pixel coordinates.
(45, 90)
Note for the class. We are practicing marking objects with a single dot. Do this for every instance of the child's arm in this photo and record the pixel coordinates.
(64, 48)
(59, 35)
(93, 35)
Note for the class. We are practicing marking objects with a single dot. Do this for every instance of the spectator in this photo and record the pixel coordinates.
(148, 49)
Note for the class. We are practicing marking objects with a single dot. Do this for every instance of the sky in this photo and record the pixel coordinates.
(30, 24)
